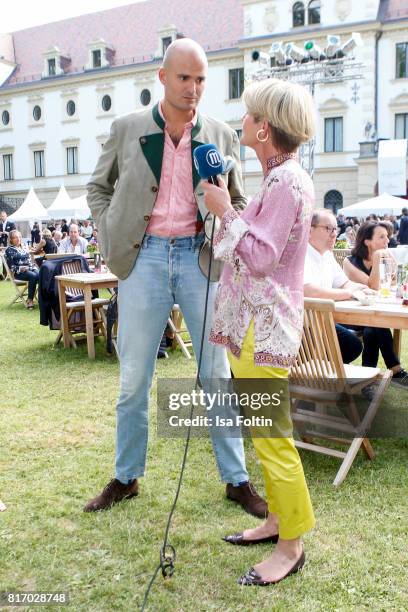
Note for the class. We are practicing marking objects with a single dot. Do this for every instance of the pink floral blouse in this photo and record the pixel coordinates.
(265, 249)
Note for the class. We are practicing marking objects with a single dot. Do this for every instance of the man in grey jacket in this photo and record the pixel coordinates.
(144, 197)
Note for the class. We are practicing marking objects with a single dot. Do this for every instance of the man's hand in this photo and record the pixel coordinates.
(23, 268)
(217, 199)
(368, 291)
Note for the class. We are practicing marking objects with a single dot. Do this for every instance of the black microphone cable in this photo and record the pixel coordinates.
(167, 551)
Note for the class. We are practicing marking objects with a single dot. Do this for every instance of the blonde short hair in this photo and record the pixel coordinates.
(46, 233)
(288, 108)
(13, 234)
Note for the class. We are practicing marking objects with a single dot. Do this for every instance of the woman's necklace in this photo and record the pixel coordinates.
(277, 160)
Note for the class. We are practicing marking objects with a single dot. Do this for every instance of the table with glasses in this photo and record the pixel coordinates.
(384, 312)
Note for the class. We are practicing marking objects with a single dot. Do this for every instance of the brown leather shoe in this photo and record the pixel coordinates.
(113, 493)
(248, 498)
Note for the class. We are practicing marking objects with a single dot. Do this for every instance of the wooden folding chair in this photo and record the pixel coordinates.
(72, 319)
(20, 286)
(340, 255)
(175, 323)
(3, 270)
(320, 376)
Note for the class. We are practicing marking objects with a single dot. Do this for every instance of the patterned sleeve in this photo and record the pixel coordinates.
(15, 260)
(231, 230)
(261, 242)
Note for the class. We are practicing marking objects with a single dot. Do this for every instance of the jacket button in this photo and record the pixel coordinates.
(136, 245)
(142, 140)
(154, 189)
(146, 217)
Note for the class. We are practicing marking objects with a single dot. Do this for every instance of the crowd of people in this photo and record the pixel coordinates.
(397, 228)
(324, 278)
(24, 257)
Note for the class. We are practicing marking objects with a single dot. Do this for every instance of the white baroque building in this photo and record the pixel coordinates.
(63, 83)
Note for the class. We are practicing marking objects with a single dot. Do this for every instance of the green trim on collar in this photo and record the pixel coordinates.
(159, 120)
(157, 116)
(152, 147)
(197, 127)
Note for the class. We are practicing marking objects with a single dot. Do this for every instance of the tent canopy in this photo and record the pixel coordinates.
(383, 204)
(64, 207)
(60, 204)
(31, 210)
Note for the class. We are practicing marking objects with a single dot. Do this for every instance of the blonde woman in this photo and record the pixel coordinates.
(19, 261)
(47, 244)
(259, 305)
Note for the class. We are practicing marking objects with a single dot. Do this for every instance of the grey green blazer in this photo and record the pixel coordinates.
(123, 188)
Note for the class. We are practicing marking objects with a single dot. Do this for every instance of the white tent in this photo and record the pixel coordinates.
(64, 207)
(383, 204)
(61, 203)
(31, 210)
(80, 208)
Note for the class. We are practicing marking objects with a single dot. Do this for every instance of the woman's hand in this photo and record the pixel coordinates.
(217, 199)
(382, 253)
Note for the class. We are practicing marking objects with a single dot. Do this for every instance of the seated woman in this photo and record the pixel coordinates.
(363, 266)
(20, 264)
(94, 237)
(46, 245)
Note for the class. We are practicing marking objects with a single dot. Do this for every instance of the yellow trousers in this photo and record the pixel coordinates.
(286, 489)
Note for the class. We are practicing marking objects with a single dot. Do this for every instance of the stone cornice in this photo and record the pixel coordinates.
(310, 32)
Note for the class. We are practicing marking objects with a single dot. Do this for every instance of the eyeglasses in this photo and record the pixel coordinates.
(329, 228)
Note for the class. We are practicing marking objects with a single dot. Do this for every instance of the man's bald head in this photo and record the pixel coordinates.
(183, 75)
(186, 47)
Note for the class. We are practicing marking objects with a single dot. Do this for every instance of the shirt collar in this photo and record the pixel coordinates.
(190, 124)
(315, 253)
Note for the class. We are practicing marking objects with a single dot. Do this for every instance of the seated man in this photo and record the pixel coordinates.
(86, 230)
(324, 278)
(73, 243)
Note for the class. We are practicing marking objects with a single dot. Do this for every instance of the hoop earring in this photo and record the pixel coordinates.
(262, 139)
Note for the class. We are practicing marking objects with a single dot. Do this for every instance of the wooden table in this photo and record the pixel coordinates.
(390, 314)
(87, 282)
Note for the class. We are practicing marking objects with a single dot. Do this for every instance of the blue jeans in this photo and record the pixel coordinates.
(32, 277)
(350, 344)
(166, 273)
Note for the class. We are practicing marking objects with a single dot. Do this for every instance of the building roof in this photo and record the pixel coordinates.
(393, 9)
(132, 31)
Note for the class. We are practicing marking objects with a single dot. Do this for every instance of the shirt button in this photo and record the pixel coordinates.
(146, 217)
(136, 245)
(154, 189)
(142, 140)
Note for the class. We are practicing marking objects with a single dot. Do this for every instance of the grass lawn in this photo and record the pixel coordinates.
(57, 444)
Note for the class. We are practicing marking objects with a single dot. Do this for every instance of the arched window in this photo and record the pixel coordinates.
(313, 12)
(298, 14)
(333, 200)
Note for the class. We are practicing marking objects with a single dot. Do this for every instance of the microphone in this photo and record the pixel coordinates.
(209, 163)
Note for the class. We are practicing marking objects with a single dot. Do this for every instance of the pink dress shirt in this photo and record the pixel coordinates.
(265, 250)
(175, 209)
